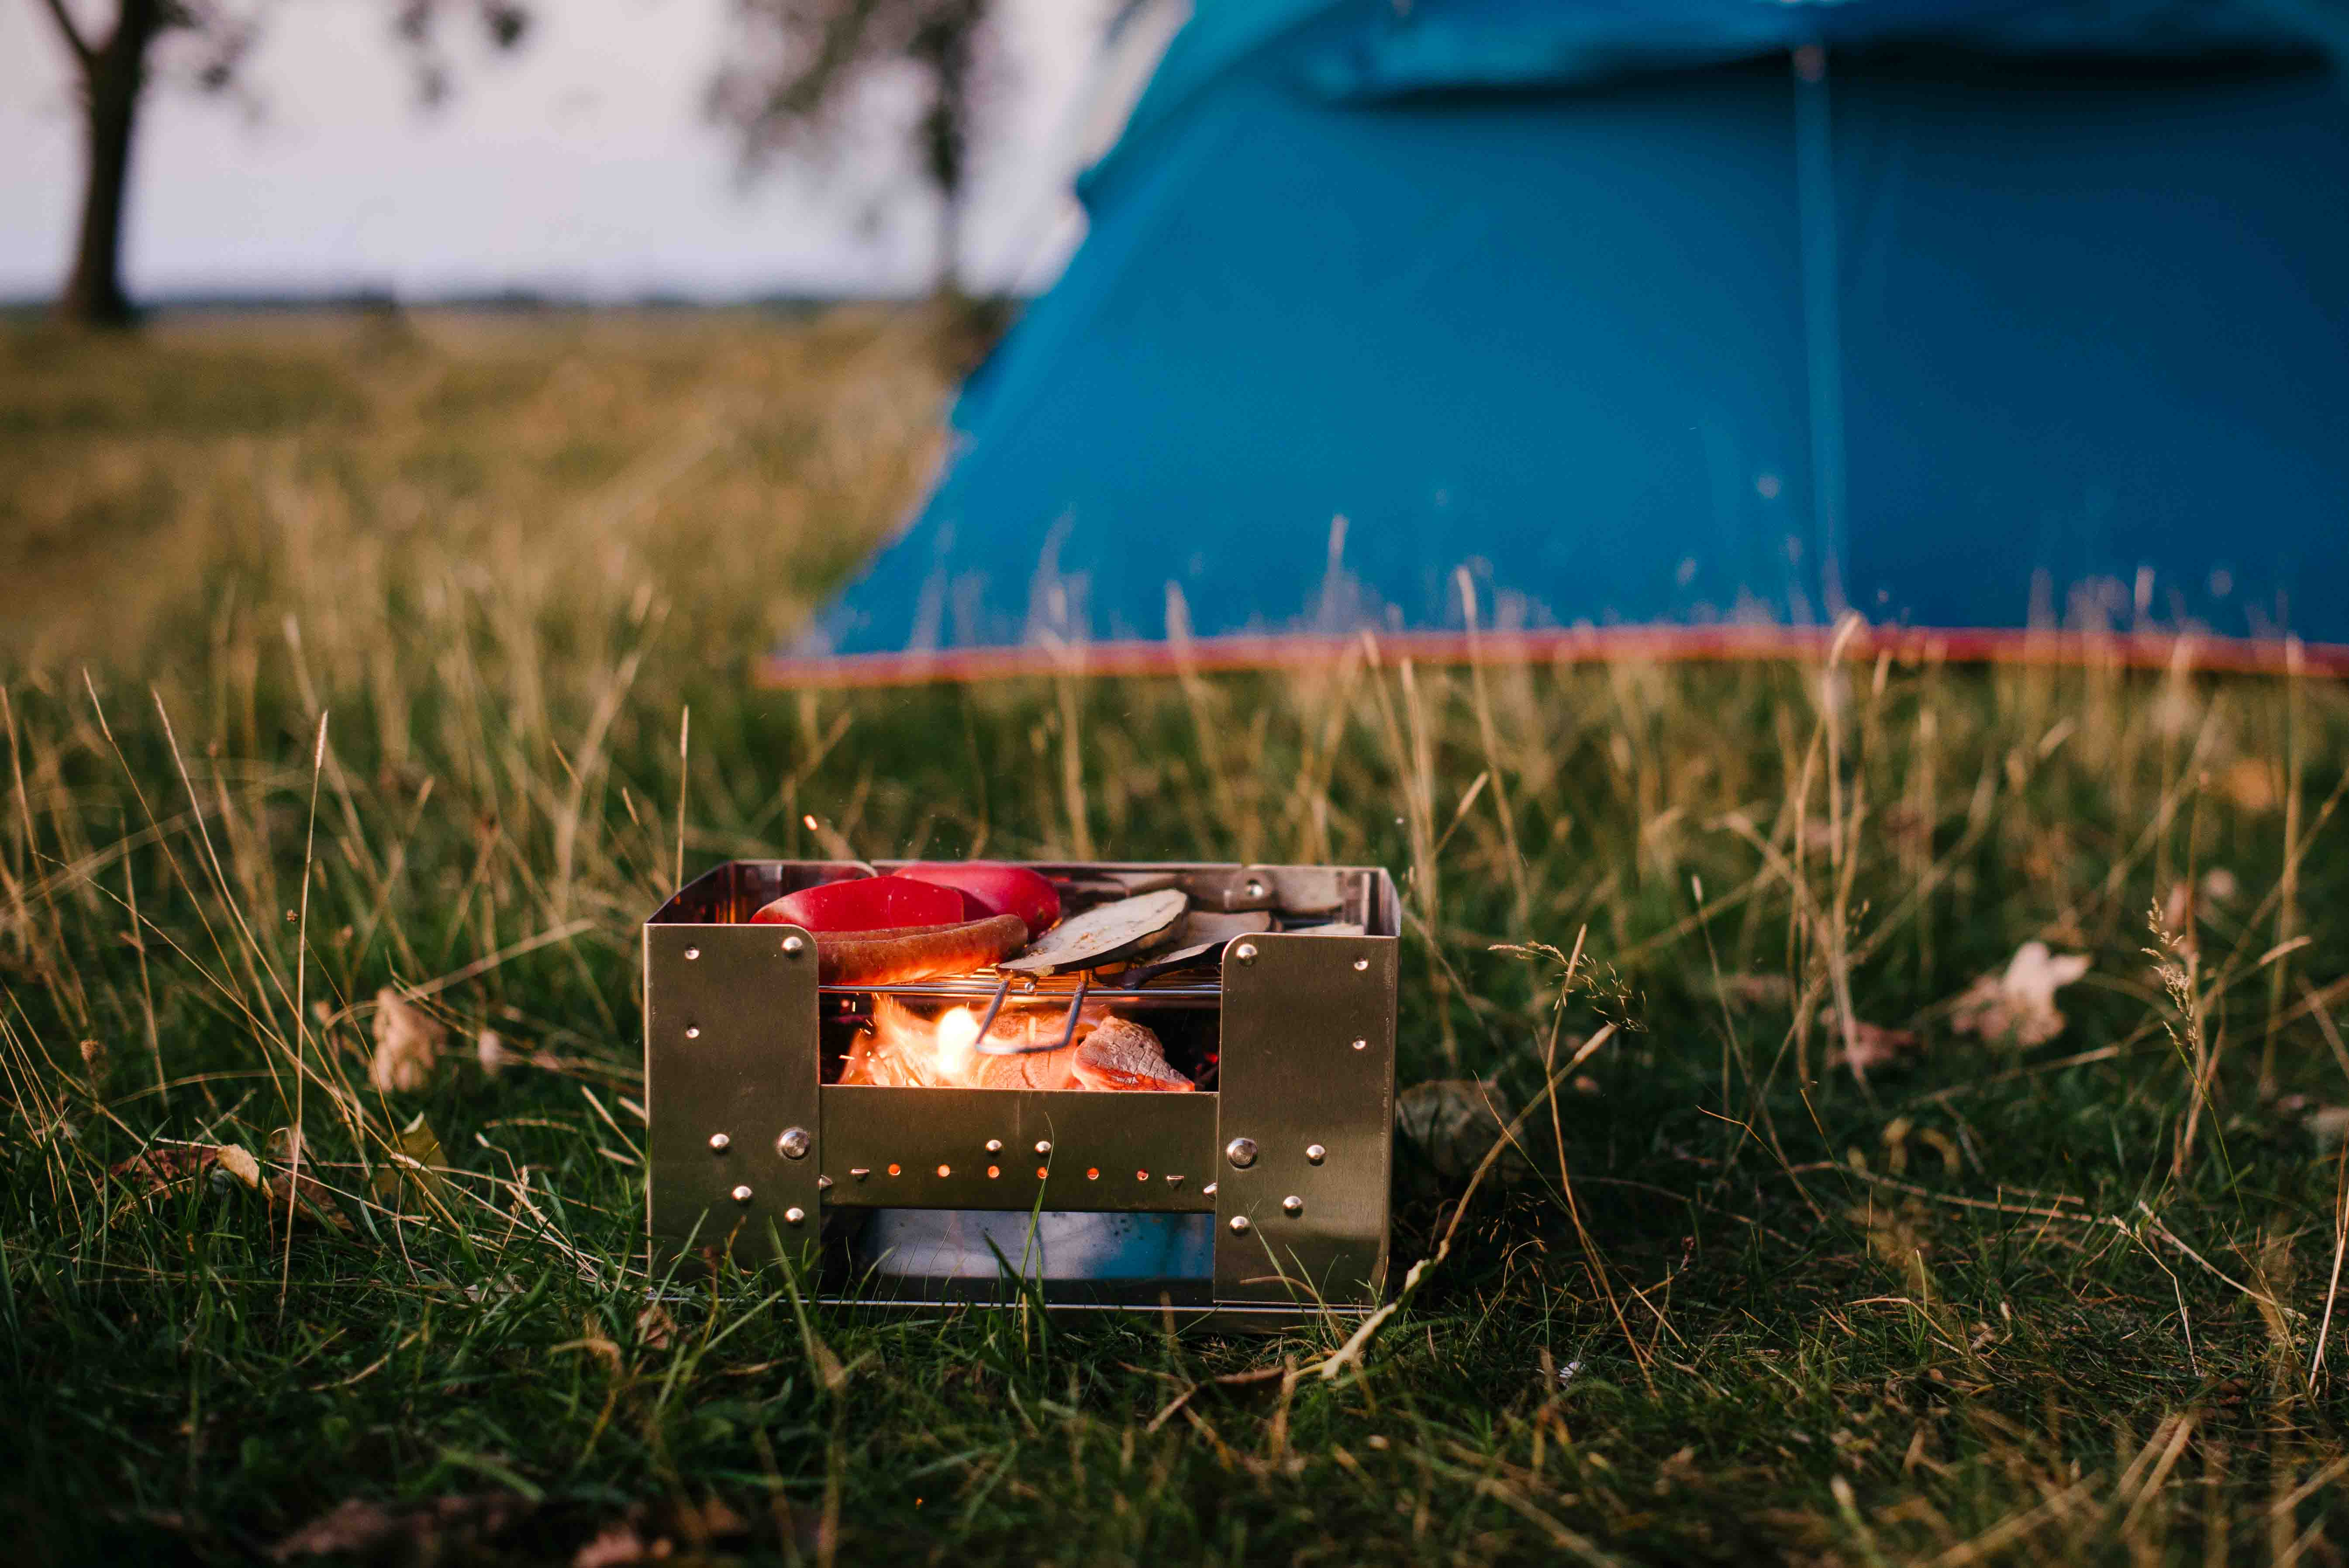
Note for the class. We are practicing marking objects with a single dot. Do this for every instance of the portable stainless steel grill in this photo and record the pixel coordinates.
(1262, 1194)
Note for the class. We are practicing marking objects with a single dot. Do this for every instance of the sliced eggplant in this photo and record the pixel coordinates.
(1205, 925)
(1205, 956)
(1104, 935)
(1108, 887)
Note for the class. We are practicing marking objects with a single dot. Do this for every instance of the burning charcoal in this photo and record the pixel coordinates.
(1101, 935)
(1123, 1054)
(1033, 1069)
(905, 1050)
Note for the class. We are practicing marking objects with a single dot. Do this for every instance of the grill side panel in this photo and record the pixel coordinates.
(730, 1054)
(1293, 1079)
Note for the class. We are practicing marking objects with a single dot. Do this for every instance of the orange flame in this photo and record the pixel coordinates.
(904, 1049)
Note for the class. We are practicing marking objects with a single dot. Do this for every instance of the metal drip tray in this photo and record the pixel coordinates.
(1055, 1246)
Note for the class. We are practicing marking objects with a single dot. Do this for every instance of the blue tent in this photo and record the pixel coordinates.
(1694, 322)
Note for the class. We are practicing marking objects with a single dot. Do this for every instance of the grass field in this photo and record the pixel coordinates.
(2064, 1297)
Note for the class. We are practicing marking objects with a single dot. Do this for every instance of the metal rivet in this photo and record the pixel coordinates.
(1176, 1181)
(793, 1144)
(693, 1031)
(793, 946)
(720, 1143)
(1292, 1205)
(1239, 1224)
(860, 1171)
(824, 1184)
(1241, 1152)
(793, 1216)
(994, 1146)
(1361, 1045)
(1361, 964)
(1245, 952)
(1255, 888)
(1208, 1190)
(741, 1194)
(1315, 1154)
(1043, 1146)
(691, 954)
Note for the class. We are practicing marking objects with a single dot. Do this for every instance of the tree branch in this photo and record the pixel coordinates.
(82, 52)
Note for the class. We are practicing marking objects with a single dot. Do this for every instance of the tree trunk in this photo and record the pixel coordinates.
(946, 276)
(948, 45)
(113, 74)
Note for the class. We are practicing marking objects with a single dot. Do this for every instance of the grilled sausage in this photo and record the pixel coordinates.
(917, 952)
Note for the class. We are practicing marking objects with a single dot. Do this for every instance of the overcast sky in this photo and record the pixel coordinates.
(580, 166)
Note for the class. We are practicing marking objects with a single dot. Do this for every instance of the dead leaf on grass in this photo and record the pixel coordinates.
(410, 1172)
(414, 1532)
(1454, 1122)
(613, 1546)
(1757, 990)
(240, 1163)
(2017, 1007)
(407, 1042)
(301, 1196)
(654, 1326)
(2178, 915)
(405, 1531)
(1872, 1046)
(231, 1166)
(652, 1534)
(1900, 1240)
(2250, 783)
(491, 1052)
(161, 1169)
(713, 1520)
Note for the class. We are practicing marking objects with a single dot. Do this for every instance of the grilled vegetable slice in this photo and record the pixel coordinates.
(1098, 936)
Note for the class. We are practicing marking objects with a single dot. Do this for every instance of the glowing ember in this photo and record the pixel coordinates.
(902, 1049)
